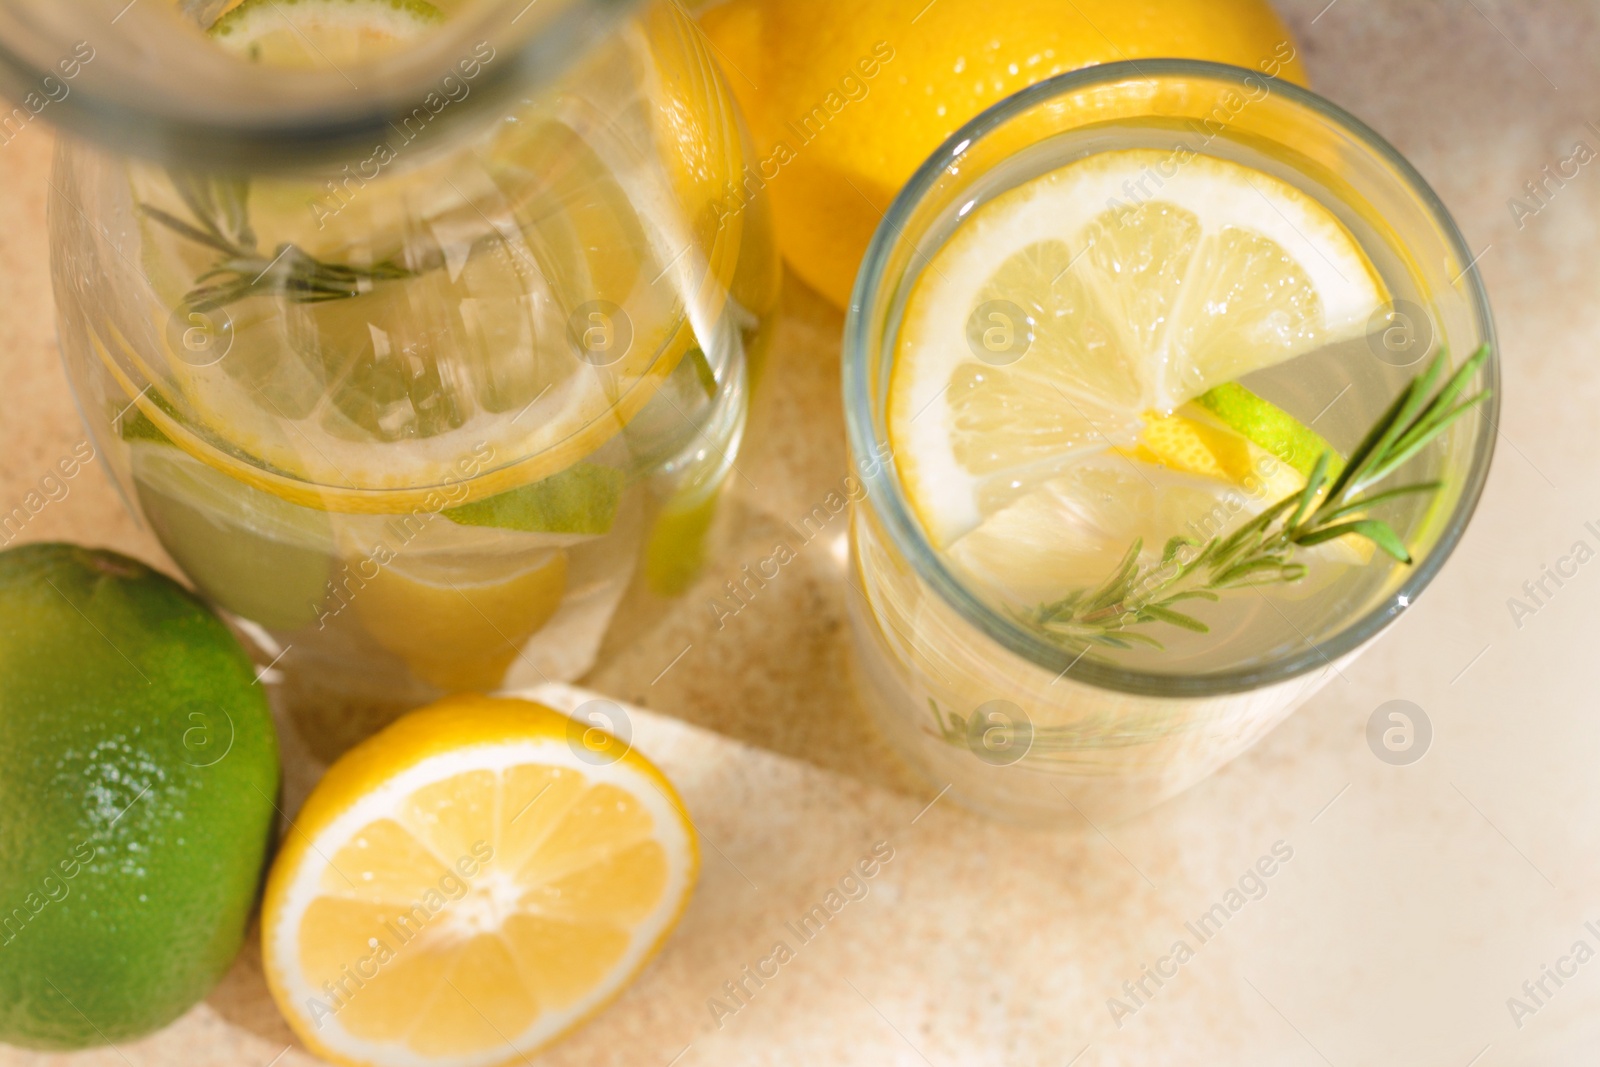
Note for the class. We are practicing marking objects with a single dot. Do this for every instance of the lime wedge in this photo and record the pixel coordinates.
(582, 499)
(251, 553)
(703, 373)
(676, 551)
(1269, 426)
(321, 33)
(136, 426)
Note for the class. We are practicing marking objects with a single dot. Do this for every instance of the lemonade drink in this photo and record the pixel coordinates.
(417, 417)
(1117, 318)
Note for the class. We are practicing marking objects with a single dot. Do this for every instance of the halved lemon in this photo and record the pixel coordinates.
(469, 884)
(1123, 288)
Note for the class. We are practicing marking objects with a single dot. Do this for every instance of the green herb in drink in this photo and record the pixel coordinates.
(1261, 552)
(222, 222)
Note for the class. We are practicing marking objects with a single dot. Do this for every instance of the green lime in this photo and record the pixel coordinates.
(1269, 426)
(583, 499)
(321, 33)
(138, 767)
(676, 550)
(250, 552)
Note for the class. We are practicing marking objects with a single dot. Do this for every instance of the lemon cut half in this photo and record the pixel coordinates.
(469, 884)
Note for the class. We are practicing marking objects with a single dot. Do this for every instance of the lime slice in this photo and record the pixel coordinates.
(582, 499)
(321, 33)
(1271, 427)
(136, 426)
(676, 551)
(250, 552)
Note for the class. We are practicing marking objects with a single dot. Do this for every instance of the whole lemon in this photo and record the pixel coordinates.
(846, 99)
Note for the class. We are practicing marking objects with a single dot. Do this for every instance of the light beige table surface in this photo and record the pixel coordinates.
(1417, 899)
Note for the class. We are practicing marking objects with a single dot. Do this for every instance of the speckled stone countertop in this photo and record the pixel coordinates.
(1413, 902)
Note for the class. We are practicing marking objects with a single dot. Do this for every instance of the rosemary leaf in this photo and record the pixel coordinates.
(1176, 618)
(1261, 551)
(1377, 531)
(182, 228)
(222, 223)
(1378, 498)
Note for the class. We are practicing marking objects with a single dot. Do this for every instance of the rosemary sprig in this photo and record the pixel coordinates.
(222, 223)
(1332, 504)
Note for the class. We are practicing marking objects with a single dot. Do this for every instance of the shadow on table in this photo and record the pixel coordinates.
(242, 997)
(757, 648)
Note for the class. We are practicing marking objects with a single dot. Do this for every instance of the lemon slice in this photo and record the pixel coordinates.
(1128, 308)
(459, 622)
(465, 369)
(1070, 531)
(1062, 384)
(466, 886)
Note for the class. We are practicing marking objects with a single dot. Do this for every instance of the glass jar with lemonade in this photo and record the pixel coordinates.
(414, 334)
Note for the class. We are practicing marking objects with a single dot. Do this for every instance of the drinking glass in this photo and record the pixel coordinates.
(1025, 729)
(412, 365)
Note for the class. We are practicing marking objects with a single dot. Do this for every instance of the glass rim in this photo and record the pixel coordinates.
(249, 119)
(886, 495)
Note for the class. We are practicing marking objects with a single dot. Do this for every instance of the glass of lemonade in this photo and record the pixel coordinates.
(1113, 320)
(413, 334)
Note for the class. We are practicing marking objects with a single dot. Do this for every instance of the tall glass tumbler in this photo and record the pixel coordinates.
(1019, 726)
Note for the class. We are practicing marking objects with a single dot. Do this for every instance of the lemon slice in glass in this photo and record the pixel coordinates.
(1070, 431)
(462, 350)
(459, 622)
(469, 884)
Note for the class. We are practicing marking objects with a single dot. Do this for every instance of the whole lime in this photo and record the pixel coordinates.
(138, 767)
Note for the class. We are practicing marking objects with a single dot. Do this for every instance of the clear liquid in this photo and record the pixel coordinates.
(303, 460)
(1339, 389)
